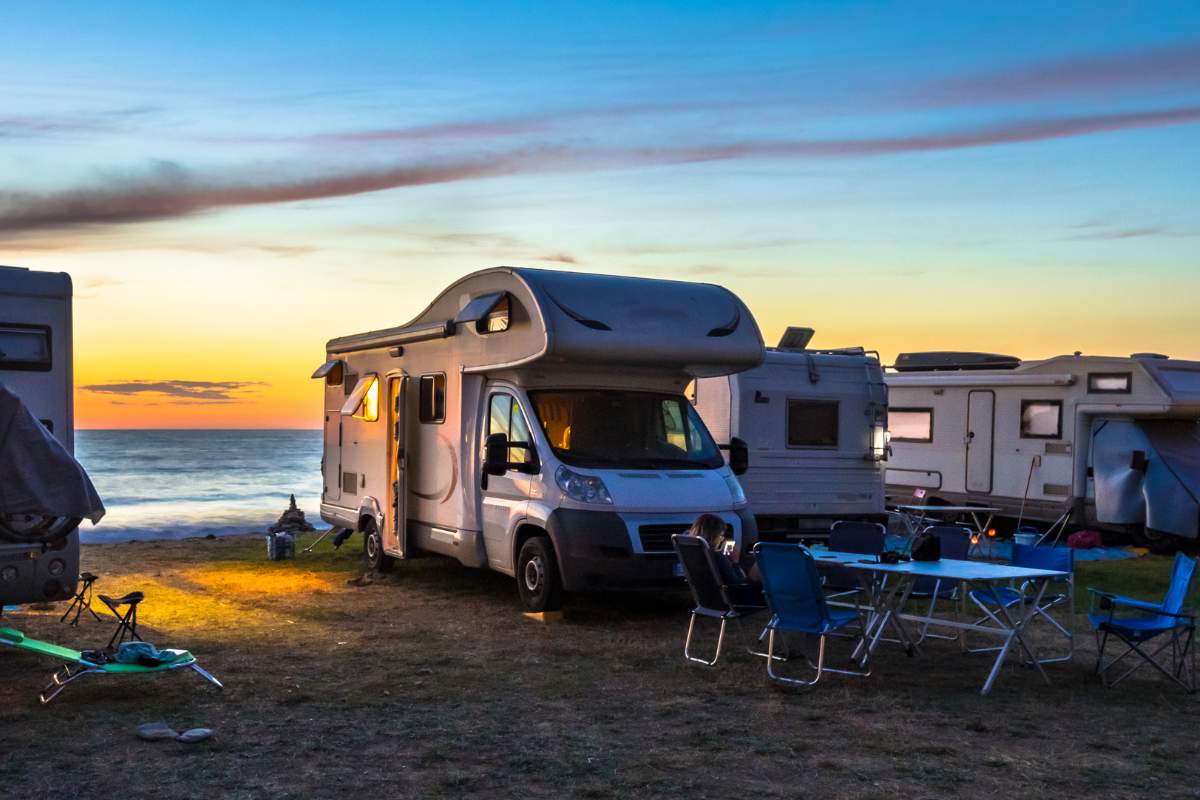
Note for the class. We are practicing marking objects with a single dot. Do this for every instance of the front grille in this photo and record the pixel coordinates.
(657, 538)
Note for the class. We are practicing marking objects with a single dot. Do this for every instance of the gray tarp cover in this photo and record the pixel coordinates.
(37, 474)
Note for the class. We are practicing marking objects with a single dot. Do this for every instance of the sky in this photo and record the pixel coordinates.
(230, 185)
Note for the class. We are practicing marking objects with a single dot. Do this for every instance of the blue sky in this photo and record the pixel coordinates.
(1010, 176)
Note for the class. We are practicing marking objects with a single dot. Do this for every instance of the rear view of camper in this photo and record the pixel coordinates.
(1104, 441)
(39, 557)
(813, 421)
(534, 423)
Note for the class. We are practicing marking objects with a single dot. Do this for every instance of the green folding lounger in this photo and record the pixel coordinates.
(79, 665)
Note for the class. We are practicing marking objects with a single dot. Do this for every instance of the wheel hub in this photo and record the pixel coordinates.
(535, 574)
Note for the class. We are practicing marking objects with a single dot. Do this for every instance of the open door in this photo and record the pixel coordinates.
(332, 459)
(981, 411)
(395, 537)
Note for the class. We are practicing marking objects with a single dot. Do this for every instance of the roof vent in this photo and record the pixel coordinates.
(949, 360)
(795, 339)
(1149, 355)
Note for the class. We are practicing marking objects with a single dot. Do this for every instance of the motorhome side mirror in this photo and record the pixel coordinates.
(495, 454)
(739, 456)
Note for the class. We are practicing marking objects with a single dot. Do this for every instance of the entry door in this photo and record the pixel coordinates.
(333, 455)
(981, 410)
(505, 497)
(395, 539)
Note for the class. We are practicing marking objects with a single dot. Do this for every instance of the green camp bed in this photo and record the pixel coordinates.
(79, 665)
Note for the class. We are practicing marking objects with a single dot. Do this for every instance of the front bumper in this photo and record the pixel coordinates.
(603, 551)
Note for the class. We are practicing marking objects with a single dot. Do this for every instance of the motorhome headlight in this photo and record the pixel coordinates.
(735, 489)
(584, 488)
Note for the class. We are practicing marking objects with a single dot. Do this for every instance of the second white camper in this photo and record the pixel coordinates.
(534, 423)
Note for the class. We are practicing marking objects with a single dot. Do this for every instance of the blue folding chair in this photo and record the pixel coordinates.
(715, 599)
(792, 586)
(955, 544)
(1149, 622)
(848, 536)
(996, 600)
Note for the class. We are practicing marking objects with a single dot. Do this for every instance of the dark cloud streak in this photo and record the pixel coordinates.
(188, 391)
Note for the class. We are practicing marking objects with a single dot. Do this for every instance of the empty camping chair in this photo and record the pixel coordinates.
(955, 543)
(867, 538)
(126, 622)
(997, 600)
(797, 602)
(1149, 622)
(709, 590)
(82, 599)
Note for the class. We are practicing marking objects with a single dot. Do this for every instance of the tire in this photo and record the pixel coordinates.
(376, 559)
(538, 580)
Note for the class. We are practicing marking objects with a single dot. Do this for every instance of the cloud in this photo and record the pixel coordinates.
(176, 390)
(170, 191)
(1118, 233)
(1162, 65)
(560, 258)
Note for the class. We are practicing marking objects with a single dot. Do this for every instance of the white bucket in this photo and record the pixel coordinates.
(1025, 538)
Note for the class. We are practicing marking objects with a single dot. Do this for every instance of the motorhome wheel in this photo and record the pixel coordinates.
(377, 560)
(537, 575)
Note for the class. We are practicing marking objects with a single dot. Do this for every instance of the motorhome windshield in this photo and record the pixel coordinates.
(635, 430)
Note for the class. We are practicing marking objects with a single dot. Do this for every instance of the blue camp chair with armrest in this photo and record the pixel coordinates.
(714, 598)
(996, 600)
(797, 602)
(846, 536)
(1148, 622)
(956, 545)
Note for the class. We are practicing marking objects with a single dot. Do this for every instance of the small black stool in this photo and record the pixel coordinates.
(127, 622)
(82, 600)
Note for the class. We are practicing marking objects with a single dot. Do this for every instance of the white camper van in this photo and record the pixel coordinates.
(533, 422)
(35, 364)
(1113, 441)
(813, 422)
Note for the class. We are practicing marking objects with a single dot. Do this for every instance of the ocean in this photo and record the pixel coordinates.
(175, 484)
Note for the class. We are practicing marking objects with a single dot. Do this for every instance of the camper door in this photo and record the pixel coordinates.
(981, 411)
(395, 536)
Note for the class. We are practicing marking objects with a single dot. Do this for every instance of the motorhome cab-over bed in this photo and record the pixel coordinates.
(814, 423)
(534, 422)
(1113, 441)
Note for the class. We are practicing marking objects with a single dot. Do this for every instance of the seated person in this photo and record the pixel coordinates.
(738, 573)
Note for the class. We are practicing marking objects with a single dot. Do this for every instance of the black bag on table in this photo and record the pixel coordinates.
(926, 547)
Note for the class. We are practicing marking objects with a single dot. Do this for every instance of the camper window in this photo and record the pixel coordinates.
(1109, 382)
(505, 416)
(910, 425)
(24, 347)
(363, 402)
(1041, 419)
(432, 405)
(812, 423)
(497, 318)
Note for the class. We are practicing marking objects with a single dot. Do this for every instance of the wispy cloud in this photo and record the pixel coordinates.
(177, 390)
(1163, 65)
(1111, 234)
(170, 191)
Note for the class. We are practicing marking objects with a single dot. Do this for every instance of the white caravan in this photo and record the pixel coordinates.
(813, 422)
(35, 364)
(1113, 441)
(533, 422)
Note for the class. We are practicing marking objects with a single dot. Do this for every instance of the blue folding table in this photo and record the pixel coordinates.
(887, 587)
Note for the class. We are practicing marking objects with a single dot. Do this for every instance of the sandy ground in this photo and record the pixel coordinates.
(430, 683)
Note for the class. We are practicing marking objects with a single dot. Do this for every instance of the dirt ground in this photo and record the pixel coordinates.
(430, 683)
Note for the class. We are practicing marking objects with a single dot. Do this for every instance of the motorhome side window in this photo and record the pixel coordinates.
(1109, 382)
(432, 404)
(25, 347)
(1041, 419)
(505, 416)
(910, 425)
(363, 402)
(812, 423)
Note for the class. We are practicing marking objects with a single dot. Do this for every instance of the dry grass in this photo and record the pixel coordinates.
(430, 683)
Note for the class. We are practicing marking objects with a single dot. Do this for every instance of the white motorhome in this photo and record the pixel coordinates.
(35, 364)
(813, 422)
(533, 422)
(1114, 441)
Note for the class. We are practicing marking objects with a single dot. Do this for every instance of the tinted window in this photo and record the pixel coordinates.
(910, 424)
(432, 405)
(1041, 419)
(505, 416)
(812, 423)
(1109, 382)
(24, 347)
